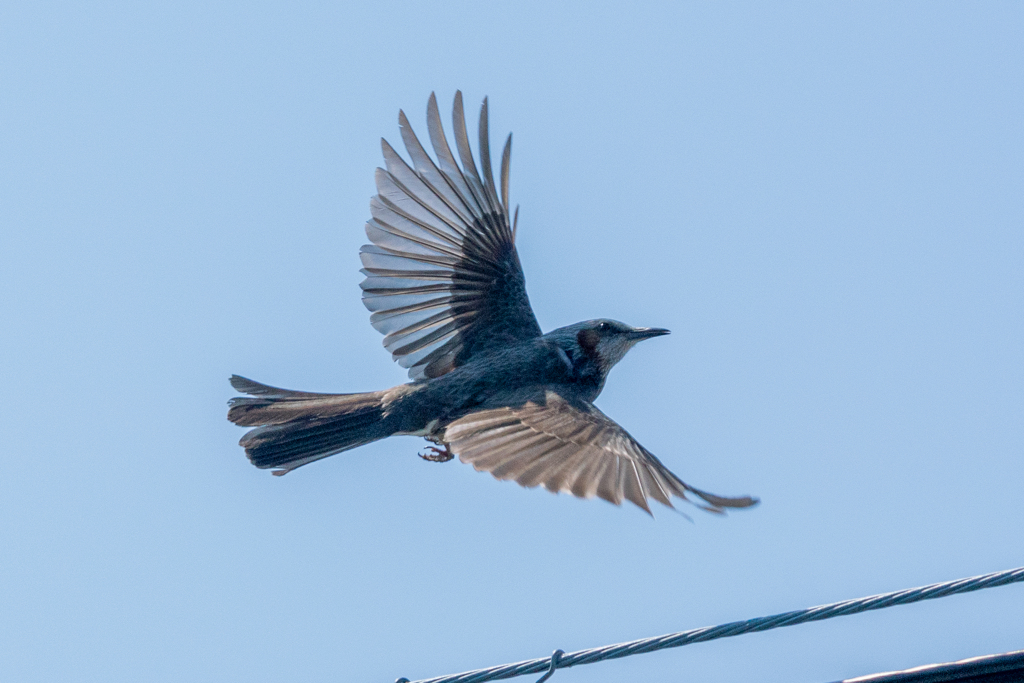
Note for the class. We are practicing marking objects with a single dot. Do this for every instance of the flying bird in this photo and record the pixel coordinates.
(445, 286)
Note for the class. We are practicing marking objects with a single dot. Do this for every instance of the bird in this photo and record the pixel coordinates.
(444, 284)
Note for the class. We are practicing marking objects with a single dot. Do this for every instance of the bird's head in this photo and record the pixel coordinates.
(602, 342)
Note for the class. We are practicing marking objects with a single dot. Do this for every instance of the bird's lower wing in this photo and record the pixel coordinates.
(574, 447)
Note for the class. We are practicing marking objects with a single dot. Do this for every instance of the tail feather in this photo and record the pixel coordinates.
(294, 428)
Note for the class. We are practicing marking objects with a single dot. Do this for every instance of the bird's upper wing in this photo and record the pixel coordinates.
(571, 446)
(443, 279)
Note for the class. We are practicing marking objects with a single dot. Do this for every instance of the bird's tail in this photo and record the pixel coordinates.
(294, 428)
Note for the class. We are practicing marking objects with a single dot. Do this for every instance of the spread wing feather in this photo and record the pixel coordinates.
(574, 447)
(443, 279)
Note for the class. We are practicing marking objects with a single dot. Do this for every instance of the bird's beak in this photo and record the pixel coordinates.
(641, 333)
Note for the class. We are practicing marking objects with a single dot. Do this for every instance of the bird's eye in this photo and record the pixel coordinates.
(603, 327)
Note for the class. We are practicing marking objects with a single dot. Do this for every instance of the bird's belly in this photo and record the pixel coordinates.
(432, 428)
(426, 409)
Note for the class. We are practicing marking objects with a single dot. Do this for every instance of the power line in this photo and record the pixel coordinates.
(561, 660)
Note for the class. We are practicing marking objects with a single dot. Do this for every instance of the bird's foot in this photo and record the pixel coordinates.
(435, 454)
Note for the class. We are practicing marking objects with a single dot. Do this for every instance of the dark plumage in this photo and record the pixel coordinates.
(445, 286)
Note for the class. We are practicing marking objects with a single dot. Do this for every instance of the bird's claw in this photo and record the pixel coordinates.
(435, 454)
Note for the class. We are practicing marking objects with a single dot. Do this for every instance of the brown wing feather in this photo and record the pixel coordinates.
(574, 447)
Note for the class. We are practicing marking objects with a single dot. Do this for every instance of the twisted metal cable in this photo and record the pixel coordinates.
(635, 647)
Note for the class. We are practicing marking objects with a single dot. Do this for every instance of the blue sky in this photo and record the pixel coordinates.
(823, 202)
